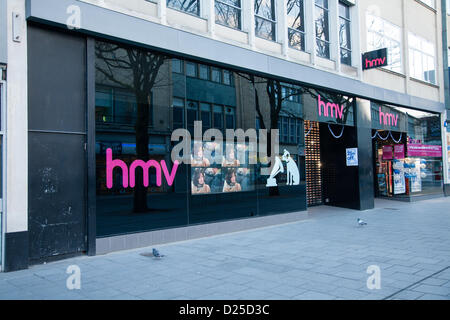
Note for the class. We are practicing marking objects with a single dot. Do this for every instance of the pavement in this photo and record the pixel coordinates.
(402, 253)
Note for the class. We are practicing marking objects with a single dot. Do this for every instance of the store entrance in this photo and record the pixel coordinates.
(329, 179)
(389, 148)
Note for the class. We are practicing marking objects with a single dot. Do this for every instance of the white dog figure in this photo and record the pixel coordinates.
(293, 175)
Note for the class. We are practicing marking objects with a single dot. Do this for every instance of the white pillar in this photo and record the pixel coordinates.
(358, 33)
(282, 34)
(162, 11)
(310, 30)
(16, 124)
(248, 21)
(333, 20)
(209, 13)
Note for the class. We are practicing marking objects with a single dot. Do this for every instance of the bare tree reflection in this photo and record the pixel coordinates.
(136, 71)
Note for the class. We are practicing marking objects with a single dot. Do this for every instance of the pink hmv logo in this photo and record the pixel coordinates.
(388, 118)
(145, 166)
(328, 109)
(378, 62)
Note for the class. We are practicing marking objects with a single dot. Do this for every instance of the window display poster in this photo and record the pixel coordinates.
(448, 155)
(387, 152)
(352, 157)
(415, 178)
(230, 174)
(399, 177)
(399, 151)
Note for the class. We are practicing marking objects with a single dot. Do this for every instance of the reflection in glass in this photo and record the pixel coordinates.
(322, 29)
(296, 24)
(228, 13)
(188, 6)
(265, 19)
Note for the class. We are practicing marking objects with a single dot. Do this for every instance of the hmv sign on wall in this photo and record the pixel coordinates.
(375, 59)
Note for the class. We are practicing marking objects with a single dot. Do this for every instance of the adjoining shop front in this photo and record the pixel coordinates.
(135, 120)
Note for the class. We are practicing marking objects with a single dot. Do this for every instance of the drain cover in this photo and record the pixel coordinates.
(394, 209)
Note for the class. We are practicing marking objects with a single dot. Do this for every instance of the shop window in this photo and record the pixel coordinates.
(408, 157)
(265, 19)
(188, 6)
(220, 184)
(422, 59)
(344, 34)
(296, 24)
(322, 29)
(383, 34)
(228, 13)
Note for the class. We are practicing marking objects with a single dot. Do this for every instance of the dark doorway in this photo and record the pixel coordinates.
(340, 181)
(57, 143)
(329, 180)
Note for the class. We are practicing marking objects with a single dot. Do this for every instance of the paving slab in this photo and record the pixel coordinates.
(326, 257)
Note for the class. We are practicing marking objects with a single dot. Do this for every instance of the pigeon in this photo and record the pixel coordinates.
(156, 253)
(361, 223)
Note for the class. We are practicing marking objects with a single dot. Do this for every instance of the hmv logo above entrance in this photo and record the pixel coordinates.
(388, 119)
(329, 109)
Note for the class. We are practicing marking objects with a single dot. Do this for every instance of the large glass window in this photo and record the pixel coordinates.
(188, 6)
(265, 19)
(296, 24)
(408, 152)
(383, 34)
(140, 187)
(344, 34)
(228, 13)
(422, 59)
(322, 28)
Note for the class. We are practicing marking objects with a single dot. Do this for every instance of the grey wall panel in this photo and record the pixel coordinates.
(57, 160)
(110, 24)
(56, 196)
(55, 64)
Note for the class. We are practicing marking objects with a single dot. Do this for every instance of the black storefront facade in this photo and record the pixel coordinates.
(93, 101)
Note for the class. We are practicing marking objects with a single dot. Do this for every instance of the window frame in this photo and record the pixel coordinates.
(327, 42)
(298, 31)
(388, 38)
(199, 10)
(349, 21)
(232, 6)
(274, 22)
(423, 53)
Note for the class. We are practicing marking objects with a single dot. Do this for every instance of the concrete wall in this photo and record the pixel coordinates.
(16, 240)
(403, 13)
(3, 33)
